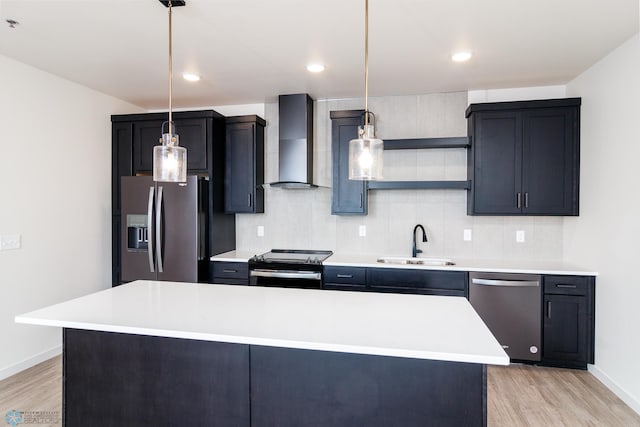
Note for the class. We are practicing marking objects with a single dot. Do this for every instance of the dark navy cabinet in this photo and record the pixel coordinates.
(524, 157)
(229, 273)
(244, 170)
(569, 321)
(349, 197)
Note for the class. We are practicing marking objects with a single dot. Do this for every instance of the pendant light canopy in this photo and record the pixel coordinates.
(169, 159)
(366, 152)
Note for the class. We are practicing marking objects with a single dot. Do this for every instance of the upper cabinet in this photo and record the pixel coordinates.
(349, 197)
(524, 157)
(244, 170)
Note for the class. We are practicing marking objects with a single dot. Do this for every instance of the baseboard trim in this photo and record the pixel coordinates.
(29, 362)
(605, 379)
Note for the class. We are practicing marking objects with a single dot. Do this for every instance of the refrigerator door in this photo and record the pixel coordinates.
(177, 236)
(137, 203)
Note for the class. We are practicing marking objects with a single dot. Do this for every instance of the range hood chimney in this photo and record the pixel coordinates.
(296, 142)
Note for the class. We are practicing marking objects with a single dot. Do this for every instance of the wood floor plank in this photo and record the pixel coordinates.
(518, 396)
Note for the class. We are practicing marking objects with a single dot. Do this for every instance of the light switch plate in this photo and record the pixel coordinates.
(467, 235)
(520, 236)
(362, 230)
(261, 231)
(10, 241)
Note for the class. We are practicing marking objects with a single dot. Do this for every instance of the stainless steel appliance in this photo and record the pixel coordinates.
(288, 268)
(163, 229)
(510, 305)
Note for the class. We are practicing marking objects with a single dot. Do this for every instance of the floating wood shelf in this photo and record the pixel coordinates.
(419, 185)
(420, 143)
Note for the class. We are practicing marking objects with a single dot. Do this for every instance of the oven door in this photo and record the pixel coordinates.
(285, 278)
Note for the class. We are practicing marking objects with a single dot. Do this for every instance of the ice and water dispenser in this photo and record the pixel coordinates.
(137, 232)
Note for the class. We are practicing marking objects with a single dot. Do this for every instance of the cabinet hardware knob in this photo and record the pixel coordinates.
(548, 309)
(229, 271)
(526, 199)
(560, 285)
(249, 197)
(345, 276)
(361, 200)
(519, 200)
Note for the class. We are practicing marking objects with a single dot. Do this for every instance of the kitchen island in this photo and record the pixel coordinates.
(162, 353)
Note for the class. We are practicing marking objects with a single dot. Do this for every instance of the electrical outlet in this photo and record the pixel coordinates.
(362, 230)
(261, 231)
(467, 235)
(520, 236)
(10, 241)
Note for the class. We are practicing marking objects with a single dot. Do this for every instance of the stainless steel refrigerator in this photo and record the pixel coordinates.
(163, 229)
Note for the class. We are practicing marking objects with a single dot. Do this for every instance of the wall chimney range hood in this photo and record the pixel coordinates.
(295, 158)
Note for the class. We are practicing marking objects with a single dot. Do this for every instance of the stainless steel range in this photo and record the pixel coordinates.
(288, 268)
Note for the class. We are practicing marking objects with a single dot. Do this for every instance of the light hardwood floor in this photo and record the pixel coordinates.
(519, 395)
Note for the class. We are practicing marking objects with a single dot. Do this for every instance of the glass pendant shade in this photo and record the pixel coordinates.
(169, 160)
(365, 155)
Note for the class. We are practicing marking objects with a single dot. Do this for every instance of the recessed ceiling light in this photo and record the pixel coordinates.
(461, 56)
(315, 68)
(190, 77)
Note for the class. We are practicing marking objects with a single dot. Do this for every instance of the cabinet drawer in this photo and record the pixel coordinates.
(567, 285)
(345, 275)
(230, 270)
(418, 281)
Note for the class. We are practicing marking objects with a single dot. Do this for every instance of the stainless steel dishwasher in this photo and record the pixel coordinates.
(510, 305)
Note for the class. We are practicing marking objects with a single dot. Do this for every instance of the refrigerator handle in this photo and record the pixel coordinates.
(149, 222)
(159, 230)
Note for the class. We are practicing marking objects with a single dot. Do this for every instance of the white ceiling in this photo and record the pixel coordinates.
(249, 51)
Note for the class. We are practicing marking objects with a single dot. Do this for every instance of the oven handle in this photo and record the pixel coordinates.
(308, 275)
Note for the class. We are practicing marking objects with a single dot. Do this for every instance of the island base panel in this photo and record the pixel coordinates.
(291, 387)
(113, 379)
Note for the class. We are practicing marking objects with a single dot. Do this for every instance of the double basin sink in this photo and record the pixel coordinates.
(415, 261)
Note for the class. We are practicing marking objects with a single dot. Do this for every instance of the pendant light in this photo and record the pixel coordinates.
(169, 159)
(365, 152)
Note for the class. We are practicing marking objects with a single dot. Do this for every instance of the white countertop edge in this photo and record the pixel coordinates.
(330, 263)
(303, 345)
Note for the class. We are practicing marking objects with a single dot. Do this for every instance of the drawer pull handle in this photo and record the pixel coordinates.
(229, 271)
(566, 286)
(548, 309)
(345, 276)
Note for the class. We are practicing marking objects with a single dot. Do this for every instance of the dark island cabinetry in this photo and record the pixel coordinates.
(524, 157)
(349, 197)
(203, 134)
(244, 171)
(569, 321)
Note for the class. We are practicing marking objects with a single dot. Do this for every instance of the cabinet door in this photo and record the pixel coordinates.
(192, 135)
(349, 197)
(240, 182)
(565, 330)
(497, 166)
(121, 146)
(550, 162)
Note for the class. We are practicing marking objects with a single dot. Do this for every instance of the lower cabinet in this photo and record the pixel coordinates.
(568, 313)
(396, 280)
(229, 273)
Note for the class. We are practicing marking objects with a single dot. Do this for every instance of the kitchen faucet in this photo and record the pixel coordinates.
(415, 250)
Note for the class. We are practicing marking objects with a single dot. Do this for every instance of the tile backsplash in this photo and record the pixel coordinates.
(302, 218)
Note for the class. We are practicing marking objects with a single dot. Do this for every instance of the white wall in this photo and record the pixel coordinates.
(55, 170)
(302, 218)
(606, 235)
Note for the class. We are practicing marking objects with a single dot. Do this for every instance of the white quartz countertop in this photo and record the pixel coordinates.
(413, 326)
(484, 265)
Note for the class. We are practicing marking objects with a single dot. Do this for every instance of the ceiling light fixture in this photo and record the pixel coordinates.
(461, 56)
(190, 77)
(169, 159)
(315, 68)
(365, 152)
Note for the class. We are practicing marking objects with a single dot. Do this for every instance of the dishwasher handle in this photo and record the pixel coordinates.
(506, 283)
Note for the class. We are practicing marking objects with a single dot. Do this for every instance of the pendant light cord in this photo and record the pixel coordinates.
(366, 62)
(170, 73)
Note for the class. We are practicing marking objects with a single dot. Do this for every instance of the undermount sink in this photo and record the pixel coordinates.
(415, 261)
